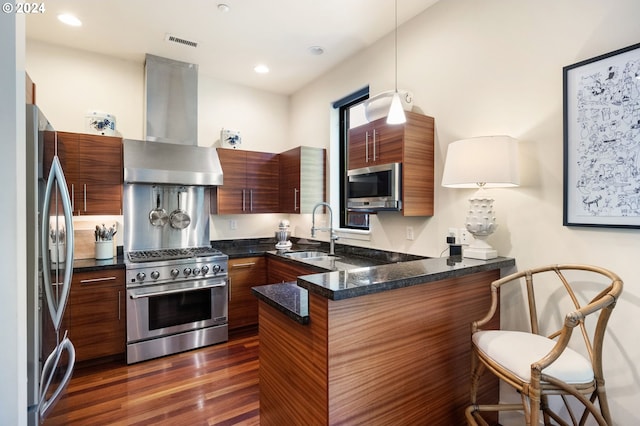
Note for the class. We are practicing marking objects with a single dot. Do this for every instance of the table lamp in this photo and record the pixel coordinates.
(481, 162)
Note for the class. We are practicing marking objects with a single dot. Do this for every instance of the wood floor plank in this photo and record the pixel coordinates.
(216, 385)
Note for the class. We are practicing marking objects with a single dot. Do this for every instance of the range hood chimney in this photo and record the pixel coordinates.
(170, 155)
(171, 101)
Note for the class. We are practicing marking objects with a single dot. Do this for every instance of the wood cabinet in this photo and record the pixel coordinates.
(375, 143)
(392, 357)
(245, 273)
(279, 271)
(250, 183)
(97, 314)
(411, 144)
(93, 169)
(302, 179)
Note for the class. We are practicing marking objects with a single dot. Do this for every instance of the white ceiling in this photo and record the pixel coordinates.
(277, 33)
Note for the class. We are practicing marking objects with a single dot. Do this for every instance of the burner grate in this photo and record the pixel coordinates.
(169, 254)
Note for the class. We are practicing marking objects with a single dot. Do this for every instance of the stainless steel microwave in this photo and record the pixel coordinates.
(375, 188)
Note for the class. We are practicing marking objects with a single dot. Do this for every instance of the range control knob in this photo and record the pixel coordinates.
(141, 276)
(196, 271)
(155, 275)
(174, 273)
(215, 269)
(205, 270)
(187, 272)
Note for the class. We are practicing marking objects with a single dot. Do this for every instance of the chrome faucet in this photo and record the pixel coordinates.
(332, 235)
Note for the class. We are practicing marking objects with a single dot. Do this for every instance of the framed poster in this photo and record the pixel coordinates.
(602, 140)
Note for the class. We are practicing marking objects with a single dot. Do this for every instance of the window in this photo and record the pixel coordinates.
(351, 112)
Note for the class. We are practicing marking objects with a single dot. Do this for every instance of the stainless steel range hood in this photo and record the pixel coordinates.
(171, 101)
(172, 164)
(171, 155)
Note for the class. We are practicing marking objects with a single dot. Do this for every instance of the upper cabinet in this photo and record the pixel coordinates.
(250, 182)
(302, 179)
(262, 182)
(411, 144)
(93, 169)
(375, 143)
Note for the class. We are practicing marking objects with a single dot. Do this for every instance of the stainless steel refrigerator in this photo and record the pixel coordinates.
(50, 353)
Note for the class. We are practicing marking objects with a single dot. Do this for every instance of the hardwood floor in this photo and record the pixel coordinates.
(216, 385)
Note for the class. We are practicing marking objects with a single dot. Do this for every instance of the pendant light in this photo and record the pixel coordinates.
(396, 112)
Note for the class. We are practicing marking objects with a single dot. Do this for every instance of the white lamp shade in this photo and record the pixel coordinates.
(489, 161)
(396, 111)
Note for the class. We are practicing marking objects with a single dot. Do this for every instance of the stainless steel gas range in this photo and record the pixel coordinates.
(176, 301)
(176, 282)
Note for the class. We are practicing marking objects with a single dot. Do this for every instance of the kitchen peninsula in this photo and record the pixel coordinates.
(388, 344)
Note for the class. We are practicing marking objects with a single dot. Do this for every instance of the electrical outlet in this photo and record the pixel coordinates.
(410, 233)
(465, 236)
(233, 224)
(453, 232)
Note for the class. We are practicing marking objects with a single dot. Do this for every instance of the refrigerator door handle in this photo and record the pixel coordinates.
(56, 307)
(49, 371)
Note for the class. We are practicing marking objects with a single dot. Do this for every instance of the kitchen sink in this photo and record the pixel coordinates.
(310, 255)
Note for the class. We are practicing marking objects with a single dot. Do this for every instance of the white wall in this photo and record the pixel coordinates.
(70, 83)
(495, 67)
(13, 263)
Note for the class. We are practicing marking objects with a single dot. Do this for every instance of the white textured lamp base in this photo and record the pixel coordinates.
(480, 223)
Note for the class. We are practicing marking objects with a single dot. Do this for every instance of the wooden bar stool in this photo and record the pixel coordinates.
(540, 363)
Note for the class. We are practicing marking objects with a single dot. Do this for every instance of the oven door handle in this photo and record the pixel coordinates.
(135, 295)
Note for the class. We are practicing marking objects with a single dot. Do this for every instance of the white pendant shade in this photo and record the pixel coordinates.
(396, 112)
(489, 161)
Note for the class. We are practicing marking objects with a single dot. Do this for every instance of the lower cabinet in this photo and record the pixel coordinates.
(244, 273)
(248, 272)
(97, 314)
(399, 357)
(279, 271)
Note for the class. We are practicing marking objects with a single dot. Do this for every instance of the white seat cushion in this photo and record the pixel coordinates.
(516, 351)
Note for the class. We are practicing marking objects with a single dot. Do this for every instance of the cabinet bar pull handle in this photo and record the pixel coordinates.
(73, 198)
(85, 196)
(119, 293)
(366, 147)
(295, 199)
(229, 289)
(251, 200)
(243, 265)
(374, 144)
(95, 280)
(243, 200)
(141, 295)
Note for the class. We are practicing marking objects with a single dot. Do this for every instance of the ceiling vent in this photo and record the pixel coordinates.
(180, 40)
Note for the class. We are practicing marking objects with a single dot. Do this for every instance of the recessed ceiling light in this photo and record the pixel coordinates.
(69, 19)
(222, 7)
(316, 50)
(261, 69)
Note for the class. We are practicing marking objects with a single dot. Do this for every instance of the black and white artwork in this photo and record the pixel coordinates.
(602, 140)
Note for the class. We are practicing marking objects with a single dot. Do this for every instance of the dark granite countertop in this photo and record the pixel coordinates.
(259, 246)
(350, 274)
(344, 284)
(89, 265)
(332, 263)
(349, 255)
(288, 298)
